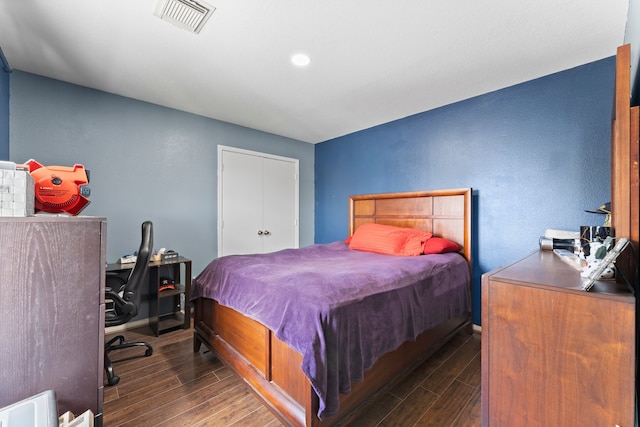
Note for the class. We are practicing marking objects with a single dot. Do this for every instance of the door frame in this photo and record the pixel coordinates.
(296, 163)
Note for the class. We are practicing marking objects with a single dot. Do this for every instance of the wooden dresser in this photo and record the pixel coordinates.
(52, 273)
(552, 354)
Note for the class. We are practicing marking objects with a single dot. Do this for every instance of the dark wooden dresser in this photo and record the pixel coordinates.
(553, 354)
(52, 272)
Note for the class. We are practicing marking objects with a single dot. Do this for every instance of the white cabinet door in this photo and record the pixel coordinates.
(257, 202)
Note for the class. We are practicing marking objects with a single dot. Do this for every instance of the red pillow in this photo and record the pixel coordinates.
(389, 240)
(440, 245)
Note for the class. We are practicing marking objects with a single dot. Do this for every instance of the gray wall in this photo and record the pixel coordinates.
(4, 108)
(145, 161)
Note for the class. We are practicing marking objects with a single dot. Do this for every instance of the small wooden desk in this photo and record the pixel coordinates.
(165, 308)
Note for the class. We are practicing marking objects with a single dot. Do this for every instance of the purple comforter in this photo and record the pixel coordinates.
(341, 309)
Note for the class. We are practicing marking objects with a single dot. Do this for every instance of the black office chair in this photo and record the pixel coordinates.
(125, 297)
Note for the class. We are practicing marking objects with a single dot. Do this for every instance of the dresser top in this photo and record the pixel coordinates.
(545, 269)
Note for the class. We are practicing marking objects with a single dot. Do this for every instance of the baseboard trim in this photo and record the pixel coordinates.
(477, 328)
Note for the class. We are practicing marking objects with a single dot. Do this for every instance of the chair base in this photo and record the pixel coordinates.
(112, 378)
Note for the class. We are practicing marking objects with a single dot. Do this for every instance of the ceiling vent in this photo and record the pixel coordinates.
(188, 14)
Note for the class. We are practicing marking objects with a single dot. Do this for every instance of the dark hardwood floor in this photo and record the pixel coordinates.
(177, 387)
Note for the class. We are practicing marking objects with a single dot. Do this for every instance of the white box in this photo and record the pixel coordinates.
(20, 178)
(8, 176)
(17, 193)
(37, 411)
(20, 196)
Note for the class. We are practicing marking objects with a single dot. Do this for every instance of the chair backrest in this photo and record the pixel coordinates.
(138, 276)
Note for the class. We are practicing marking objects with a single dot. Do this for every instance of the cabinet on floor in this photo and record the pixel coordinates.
(52, 279)
(169, 289)
(553, 354)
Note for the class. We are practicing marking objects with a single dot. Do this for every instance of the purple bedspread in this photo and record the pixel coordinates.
(341, 309)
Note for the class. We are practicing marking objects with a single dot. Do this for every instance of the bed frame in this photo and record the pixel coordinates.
(272, 370)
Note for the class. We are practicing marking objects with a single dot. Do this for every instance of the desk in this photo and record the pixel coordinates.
(168, 309)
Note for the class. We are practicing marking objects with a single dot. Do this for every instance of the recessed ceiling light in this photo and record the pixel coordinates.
(300, 59)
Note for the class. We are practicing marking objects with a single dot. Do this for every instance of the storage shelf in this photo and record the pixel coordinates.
(170, 322)
(167, 308)
(179, 289)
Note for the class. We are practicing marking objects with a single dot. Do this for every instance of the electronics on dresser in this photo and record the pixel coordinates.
(595, 273)
(571, 258)
(559, 239)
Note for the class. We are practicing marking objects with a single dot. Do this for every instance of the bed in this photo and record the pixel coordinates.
(291, 366)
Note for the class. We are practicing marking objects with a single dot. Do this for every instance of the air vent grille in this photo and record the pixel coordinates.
(187, 14)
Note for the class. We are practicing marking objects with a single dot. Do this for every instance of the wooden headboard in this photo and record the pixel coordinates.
(445, 213)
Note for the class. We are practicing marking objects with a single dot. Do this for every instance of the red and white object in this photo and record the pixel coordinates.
(58, 188)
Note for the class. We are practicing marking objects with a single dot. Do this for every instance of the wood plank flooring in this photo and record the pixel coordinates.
(177, 387)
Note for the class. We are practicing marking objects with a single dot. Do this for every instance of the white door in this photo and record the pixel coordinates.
(257, 202)
(279, 201)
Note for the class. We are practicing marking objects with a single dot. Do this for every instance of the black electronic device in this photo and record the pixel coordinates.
(168, 255)
(549, 244)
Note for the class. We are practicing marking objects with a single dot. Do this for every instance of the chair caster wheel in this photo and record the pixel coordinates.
(113, 381)
(148, 352)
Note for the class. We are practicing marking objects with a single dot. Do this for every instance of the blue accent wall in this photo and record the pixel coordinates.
(536, 155)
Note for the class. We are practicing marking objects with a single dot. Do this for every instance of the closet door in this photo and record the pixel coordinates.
(279, 215)
(257, 202)
(240, 201)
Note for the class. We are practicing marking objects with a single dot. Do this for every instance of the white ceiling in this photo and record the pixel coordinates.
(372, 61)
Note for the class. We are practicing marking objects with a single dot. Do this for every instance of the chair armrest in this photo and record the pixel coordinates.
(114, 285)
